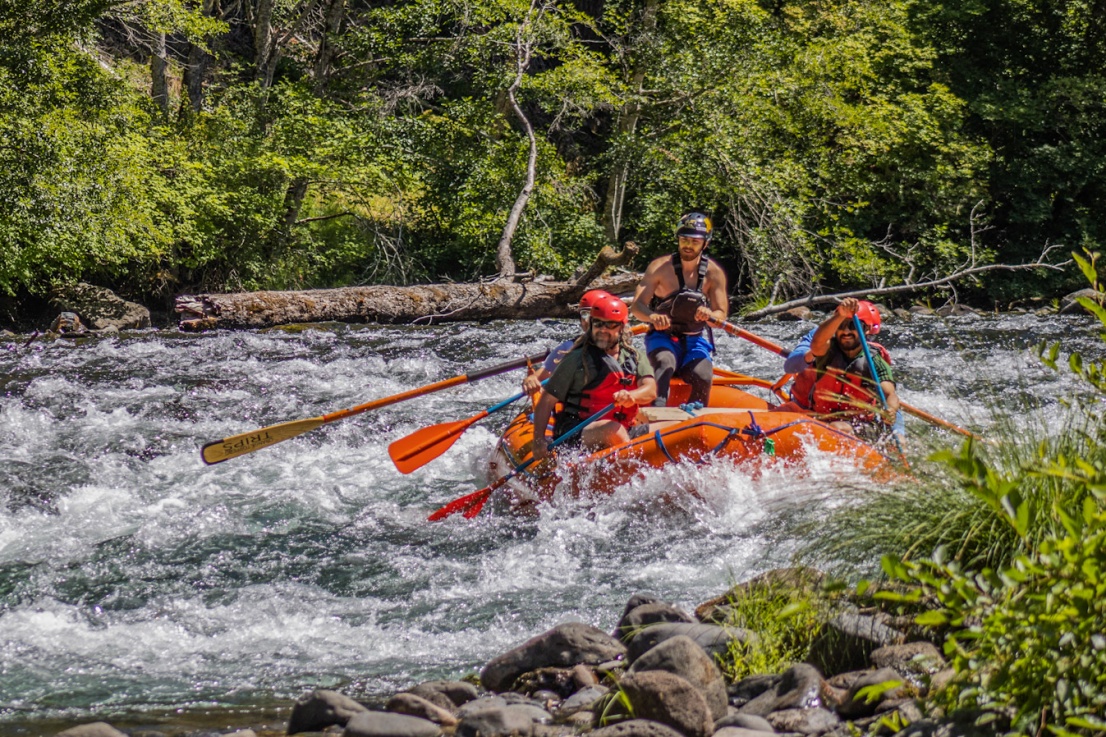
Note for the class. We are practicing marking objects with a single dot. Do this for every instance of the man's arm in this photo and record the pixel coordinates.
(799, 360)
(644, 393)
(646, 288)
(715, 290)
(820, 343)
(546, 403)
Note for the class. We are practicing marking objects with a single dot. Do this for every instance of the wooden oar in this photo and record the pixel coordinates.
(237, 445)
(778, 349)
(471, 504)
(414, 451)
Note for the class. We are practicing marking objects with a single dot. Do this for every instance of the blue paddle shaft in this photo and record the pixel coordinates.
(871, 361)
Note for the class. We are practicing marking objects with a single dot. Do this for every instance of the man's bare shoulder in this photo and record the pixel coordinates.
(658, 263)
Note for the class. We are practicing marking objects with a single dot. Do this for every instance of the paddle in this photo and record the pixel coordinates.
(414, 451)
(237, 445)
(471, 504)
(778, 349)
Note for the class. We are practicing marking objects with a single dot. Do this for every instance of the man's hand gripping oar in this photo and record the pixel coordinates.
(471, 504)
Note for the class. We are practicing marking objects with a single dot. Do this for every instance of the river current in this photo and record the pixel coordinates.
(134, 579)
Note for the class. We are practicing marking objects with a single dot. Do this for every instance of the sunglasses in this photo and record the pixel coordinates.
(606, 324)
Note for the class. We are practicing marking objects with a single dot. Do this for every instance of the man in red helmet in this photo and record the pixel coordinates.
(532, 383)
(604, 369)
(679, 295)
(835, 379)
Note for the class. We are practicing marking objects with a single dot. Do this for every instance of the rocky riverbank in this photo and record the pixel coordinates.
(660, 673)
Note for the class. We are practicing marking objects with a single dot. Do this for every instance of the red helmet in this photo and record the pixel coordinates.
(592, 296)
(869, 315)
(612, 309)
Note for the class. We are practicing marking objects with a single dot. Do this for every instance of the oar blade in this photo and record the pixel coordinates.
(248, 442)
(414, 451)
(461, 504)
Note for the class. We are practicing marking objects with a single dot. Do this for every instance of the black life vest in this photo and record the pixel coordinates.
(604, 376)
(682, 305)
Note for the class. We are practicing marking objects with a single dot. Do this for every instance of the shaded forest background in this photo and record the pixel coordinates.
(166, 146)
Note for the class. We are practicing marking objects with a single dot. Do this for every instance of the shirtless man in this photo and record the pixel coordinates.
(678, 295)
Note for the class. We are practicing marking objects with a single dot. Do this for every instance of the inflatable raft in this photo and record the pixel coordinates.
(737, 425)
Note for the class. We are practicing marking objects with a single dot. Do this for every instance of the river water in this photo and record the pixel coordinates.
(136, 580)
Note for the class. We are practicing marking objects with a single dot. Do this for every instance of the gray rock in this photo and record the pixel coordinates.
(101, 308)
(484, 702)
(636, 728)
(94, 729)
(799, 688)
(67, 323)
(386, 724)
(956, 310)
(862, 706)
(582, 700)
(683, 657)
(750, 687)
(1069, 305)
(457, 692)
(712, 638)
(564, 646)
(902, 314)
(909, 658)
(744, 721)
(320, 709)
(647, 614)
(795, 314)
(666, 698)
(803, 721)
(921, 310)
(848, 641)
(639, 599)
(742, 732)
(416, 706)
(241, 733)
(516, 719)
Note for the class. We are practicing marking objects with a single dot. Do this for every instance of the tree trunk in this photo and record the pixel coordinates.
(195, 71)
(264, 49)
(159, 84)
(335, 10)
(432, 303)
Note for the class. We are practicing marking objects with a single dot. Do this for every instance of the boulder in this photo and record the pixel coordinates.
(385, 724)
(666, 698)
(684, 658)
(955, 310)
(317, 710)
(795, 314)
(562, 682)
(909, 659)
(848, 641)
(862, 706)
(750, 687)
(564, 646)
(921, 310)
(811, 720)
(456, 692)
(636, 728)
(803, 578)
(582, 700)
(902, 314)
(67, 323)
(742, 732)
(799, 687)
(1069, 305)
(712, 638)
(416, 706)
(640, 617)
(744, 721)
(101, 308)
(94, 729)
(513, 719)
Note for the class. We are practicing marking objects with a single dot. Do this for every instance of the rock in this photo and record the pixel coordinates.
(750, 687)
(800, 577)
(683, 657)
(862, 706)
(582, 700)
(813, 720)
(906, 707)
(636, 600)
(921, 310)
(101, 307)
(67, 323)
(458, 692)
(902, 314)
(799, 687)
(795, 314)
(95, 729)
(744, 721)
(712, 638)
(1069, 306)
(636, 728)
(942, 678)
(666, 698)
(908, 659)
(241, 733)
(561, 681)
(742, 732)
(386, 724)
(416, 706)
(955, 310)
(319, 709)
(564, 646)
(640, 617)
(847, 642)
(515, 719)
(484, 702)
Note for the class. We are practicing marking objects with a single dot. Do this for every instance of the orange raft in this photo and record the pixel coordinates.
(737, 426)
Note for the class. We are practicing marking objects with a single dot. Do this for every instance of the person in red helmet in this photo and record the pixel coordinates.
(604, 369)
(532, 383)
(835, 380)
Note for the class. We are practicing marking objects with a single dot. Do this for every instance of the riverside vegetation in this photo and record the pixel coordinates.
(167, 146)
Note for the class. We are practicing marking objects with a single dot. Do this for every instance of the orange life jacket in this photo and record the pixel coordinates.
(608, 376)
(803, 389)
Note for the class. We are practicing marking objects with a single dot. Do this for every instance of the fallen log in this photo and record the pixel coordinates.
(502, 299)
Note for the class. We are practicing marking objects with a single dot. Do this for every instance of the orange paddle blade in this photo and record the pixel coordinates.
(414, 451)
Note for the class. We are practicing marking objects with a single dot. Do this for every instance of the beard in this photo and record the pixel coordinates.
(604, 340)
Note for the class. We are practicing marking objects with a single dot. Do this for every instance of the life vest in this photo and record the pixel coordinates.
(605, 376)
(802, 390)
(685, 301)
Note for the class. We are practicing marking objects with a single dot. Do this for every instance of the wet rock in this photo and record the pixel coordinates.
(812, 720)
(795, 314)
(639, 599)
(666, 698)
(67, 323)
(712, 638)
(911, 658)
(921, 310)
(101, 307)
(416, 706)
(320, 709)
(799, 687)
(1069, 305)
(386, 724)
(640, 617)
(582, 700)
(717, 610)
(560, 681)
(750, 687)
(857, 705)
(564, 646)
(956, 310)
(683, 657)
(636, 728)
(94, 729)
(744, 721)
(848, 641)
(446, 694)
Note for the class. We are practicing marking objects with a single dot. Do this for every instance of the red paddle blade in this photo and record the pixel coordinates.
(477, 504)
(422, 446)
(461, 504)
